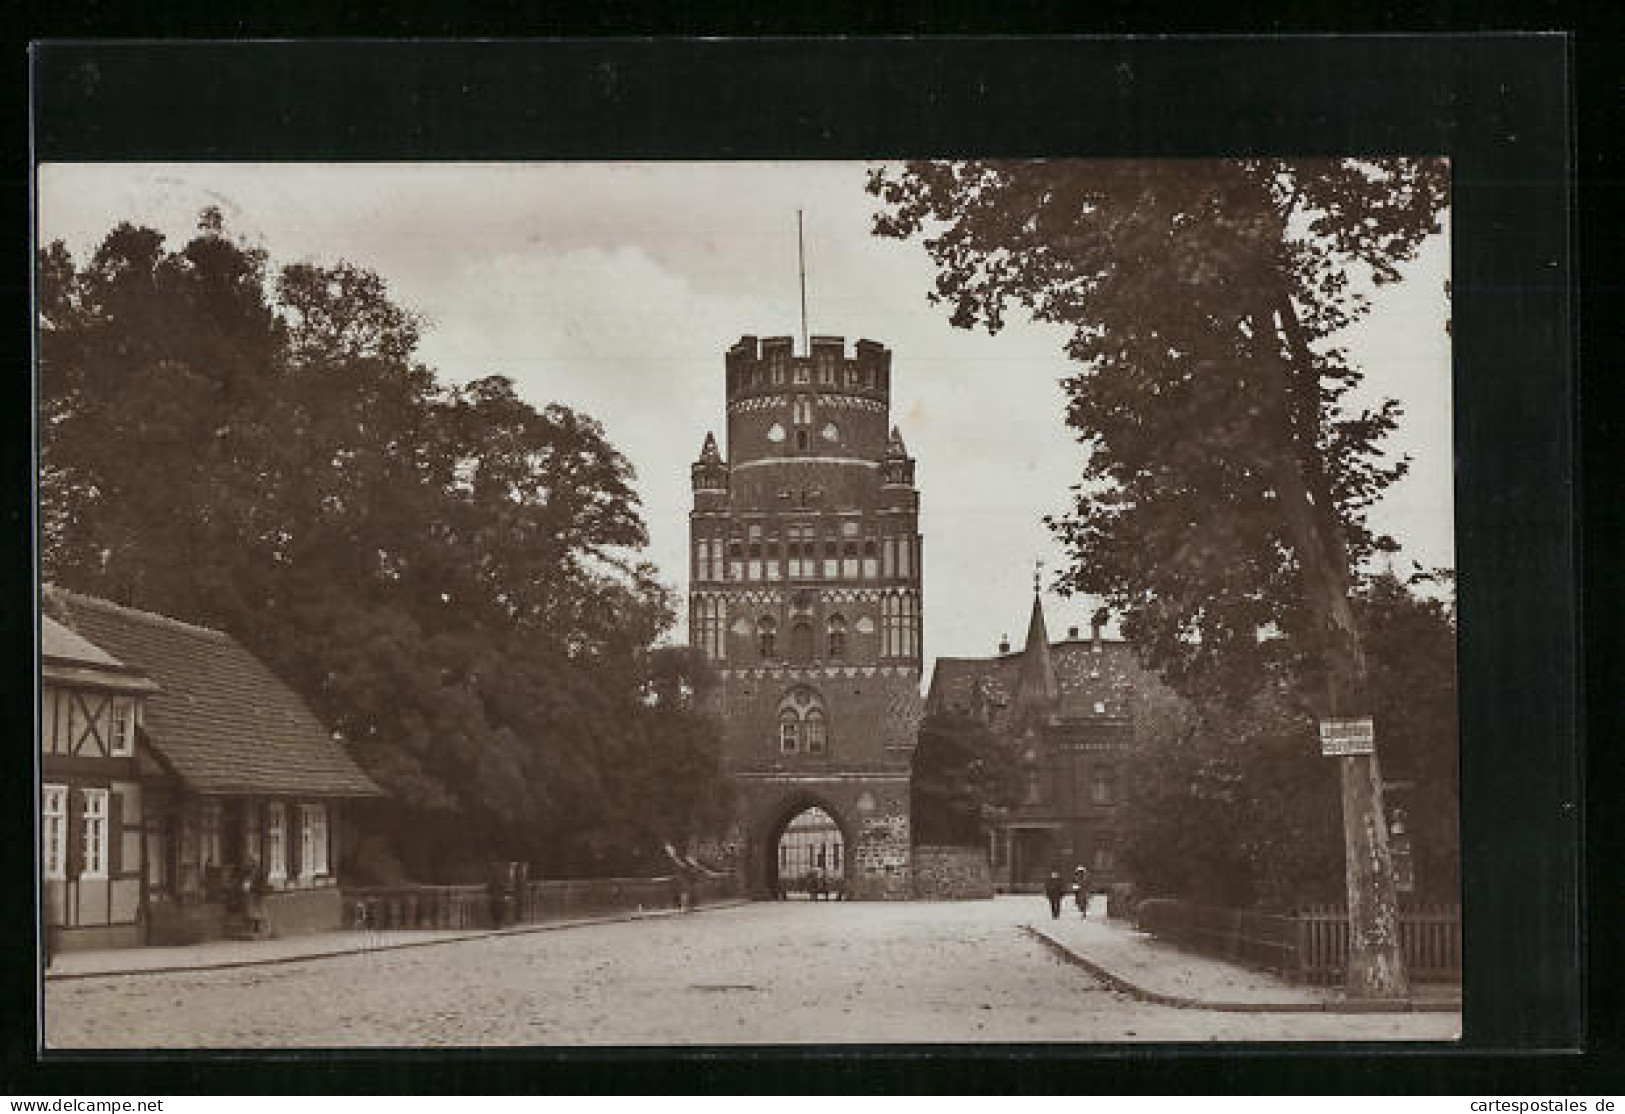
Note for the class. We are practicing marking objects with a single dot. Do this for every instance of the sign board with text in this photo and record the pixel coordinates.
(1340, 738)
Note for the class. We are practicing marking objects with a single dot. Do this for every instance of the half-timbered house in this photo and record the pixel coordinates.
(233, 797)
(91, 814)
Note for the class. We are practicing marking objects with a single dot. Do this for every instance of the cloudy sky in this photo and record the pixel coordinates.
(616, 288)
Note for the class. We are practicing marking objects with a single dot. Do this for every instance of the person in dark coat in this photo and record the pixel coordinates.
(1080, 890)
(1055, 890)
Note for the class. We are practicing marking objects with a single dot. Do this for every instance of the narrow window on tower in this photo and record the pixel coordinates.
(736, 560)
(717, 569)
(789, 732)
(764, 637)
(905, 556)
(889, 552)
(837, 637)
(801, 440)
(773, 559)
(801, 643)
(831, 560)
(755, 566)
(702, 559)
(849, 562)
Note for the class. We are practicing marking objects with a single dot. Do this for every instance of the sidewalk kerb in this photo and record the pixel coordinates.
(401, 945)
(1134, 990)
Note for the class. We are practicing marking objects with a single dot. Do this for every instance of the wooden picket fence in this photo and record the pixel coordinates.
(1309, 946)
(417, 906)
(1430, 936)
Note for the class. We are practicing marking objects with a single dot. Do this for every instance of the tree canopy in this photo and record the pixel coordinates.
(1231, 805)
(962, 774)
(446, 573)
(1221, 506)
(1226, 477)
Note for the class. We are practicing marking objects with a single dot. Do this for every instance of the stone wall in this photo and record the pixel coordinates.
(296, 912)
(951, 873)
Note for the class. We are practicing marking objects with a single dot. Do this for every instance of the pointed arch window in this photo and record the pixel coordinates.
(765, 631)
(802, 723)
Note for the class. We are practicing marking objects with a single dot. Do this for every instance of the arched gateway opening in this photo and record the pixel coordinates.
(806, 852)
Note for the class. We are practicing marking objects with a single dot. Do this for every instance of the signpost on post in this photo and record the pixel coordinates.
(1373, 912)
(1342, 738)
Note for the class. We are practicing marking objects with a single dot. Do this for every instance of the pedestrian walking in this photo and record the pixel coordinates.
(1080, 890)
(1055, 890)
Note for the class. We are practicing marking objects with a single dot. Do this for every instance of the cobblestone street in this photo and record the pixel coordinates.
(785, 973)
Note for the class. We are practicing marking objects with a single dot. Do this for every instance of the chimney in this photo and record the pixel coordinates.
(1004, 644)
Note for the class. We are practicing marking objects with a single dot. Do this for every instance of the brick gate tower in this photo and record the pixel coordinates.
(805, 596)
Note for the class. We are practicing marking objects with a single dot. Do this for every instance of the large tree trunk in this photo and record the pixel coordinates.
(1376, 962)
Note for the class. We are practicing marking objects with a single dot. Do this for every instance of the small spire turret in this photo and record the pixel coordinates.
(710, 472)
(896, 467)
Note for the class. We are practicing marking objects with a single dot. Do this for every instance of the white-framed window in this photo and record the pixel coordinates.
(121, 736)
(54, 831)
(313, 840)
(95, 833)
(276, 833)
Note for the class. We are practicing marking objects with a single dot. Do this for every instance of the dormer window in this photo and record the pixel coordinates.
(121, 719)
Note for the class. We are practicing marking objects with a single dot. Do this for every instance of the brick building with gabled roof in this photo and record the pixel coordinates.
(1070, 706)
(230, 784)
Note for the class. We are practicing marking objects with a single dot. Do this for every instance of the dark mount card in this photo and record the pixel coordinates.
(1496, 107)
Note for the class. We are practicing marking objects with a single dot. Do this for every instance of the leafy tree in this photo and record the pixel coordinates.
(962, 773)
(448, 575)
(1230, 804)
(1226, 476)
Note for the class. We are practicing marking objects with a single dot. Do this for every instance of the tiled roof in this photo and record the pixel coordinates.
(221, 720)
(1086, 677)
(57, 641)
(68, 659)
(953, 681)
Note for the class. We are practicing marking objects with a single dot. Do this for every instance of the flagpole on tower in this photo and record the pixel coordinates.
(801, 266)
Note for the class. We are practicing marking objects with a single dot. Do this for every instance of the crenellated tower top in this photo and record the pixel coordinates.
(769, 366)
